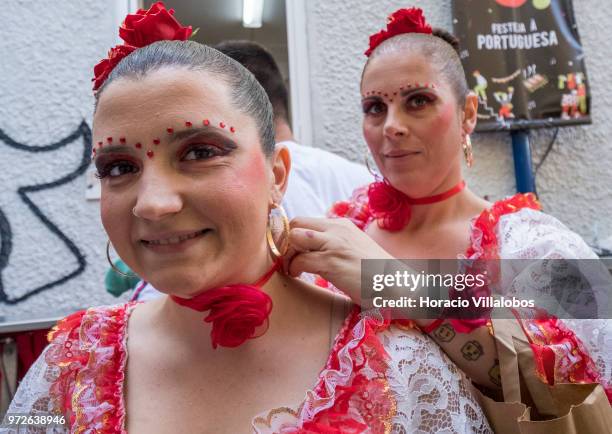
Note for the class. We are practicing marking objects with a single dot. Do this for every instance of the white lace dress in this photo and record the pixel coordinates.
(379, 378)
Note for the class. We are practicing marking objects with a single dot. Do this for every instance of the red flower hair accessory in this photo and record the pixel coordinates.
(400, 22)
(139, 30)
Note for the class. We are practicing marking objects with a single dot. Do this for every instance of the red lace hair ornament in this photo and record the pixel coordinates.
(139, 30)
(400, 22)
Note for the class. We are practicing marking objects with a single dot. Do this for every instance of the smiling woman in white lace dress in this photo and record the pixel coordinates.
(418, 114)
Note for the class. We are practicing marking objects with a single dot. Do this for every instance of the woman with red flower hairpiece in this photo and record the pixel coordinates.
(418, 116)
(190, 178)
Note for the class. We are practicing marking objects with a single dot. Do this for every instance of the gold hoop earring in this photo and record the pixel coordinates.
(367, 164)
(272, 226)
(467, 151)
(110, 261)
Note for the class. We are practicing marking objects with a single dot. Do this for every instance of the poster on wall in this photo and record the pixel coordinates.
(524, 60)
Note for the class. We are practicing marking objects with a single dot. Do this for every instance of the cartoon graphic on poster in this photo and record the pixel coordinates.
(505, 103)
(524, 61)
(481, 85)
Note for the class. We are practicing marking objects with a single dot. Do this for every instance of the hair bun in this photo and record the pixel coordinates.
(448, 37)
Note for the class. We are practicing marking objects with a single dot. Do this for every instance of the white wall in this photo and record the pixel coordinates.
(47, 52)
(575, 182)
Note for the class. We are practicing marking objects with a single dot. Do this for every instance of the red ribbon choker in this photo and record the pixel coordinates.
(237, 312)
(393, 209)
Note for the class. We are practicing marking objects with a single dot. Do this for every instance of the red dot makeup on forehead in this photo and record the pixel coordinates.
(156, 141)
(109, 139)
(150, 153)
(100, 144)
(138, 145)
(122, 140)
(206, 122)
(221, 124)
(188, 124)
(232, 129)
(170, 130)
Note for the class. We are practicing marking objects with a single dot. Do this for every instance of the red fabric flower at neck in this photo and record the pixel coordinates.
(237, 312)
(139, 30)
(392, 208)
(400, 22)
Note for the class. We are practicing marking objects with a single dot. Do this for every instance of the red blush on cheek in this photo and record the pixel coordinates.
(442, 120)
(255, 171)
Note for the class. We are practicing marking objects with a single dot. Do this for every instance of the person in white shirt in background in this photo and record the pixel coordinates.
(318, 178)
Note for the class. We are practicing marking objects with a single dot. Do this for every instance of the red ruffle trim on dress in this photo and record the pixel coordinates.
(352, 394)
(484, 245)
(88, 349)
(484, 242)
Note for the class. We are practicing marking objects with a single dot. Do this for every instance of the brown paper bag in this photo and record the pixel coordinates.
(531, 406)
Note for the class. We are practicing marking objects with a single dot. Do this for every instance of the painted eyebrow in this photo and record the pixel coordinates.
(114, 148)
(208, 131)
(413, 90)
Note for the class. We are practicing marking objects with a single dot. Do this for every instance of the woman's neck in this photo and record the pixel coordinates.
(458, 207)
(189, 325)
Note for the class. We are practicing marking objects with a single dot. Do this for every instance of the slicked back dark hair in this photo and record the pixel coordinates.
(257, 59)
(440, 48)
(246, 93)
